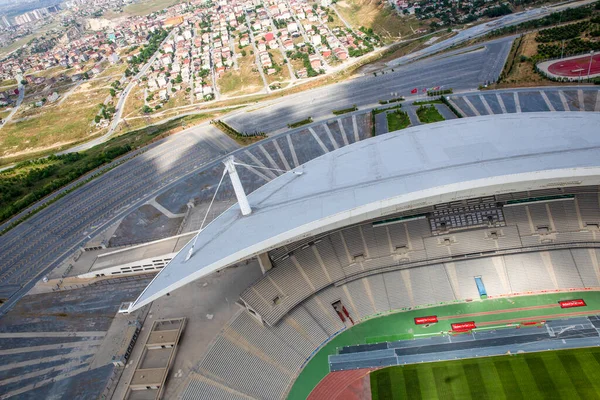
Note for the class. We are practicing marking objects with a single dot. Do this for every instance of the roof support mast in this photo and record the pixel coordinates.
(237, 186)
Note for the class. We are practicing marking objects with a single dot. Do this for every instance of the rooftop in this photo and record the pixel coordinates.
(399, 171)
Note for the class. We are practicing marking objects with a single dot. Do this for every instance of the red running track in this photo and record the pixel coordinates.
(344, 385)
(574, 67)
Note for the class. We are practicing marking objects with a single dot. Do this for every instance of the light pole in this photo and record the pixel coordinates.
(590, 66)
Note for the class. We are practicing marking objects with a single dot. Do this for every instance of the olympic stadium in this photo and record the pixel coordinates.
(493, 220)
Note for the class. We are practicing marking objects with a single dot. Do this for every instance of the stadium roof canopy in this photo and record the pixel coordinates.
(413, 168)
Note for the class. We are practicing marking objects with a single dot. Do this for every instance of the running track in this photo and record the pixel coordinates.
(576, 66)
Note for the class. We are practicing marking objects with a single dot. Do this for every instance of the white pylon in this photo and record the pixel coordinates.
(237, 186)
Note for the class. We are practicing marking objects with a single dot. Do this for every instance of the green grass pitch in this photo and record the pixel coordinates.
(563, 374)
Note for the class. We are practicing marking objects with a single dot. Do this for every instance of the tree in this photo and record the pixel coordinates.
(24, 82)
(243, 53)
(113, 93)
(97, 119)
(147, 110)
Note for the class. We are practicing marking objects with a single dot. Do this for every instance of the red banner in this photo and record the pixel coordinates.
(426, 320)
(572, 303)
(463, 326)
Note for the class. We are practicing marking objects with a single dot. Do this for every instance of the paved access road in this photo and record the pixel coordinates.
(17, 105)
(461, 70)
(38, 244)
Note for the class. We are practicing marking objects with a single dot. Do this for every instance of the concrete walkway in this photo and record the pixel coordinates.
(45, 347)
(7, 335)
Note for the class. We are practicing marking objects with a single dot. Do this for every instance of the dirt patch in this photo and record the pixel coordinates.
(380, 16)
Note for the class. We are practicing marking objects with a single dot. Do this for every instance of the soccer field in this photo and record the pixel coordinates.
(400, 325)
(564, 374)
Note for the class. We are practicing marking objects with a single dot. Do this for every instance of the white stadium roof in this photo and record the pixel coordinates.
(413, 168)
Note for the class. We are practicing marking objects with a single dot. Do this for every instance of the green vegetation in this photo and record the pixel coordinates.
(380, 110)
(572, 47)
(498, 11)
(570, 14)
(451, 107)
(244, 138)
(395, 100)
(397, 120)
(154, 41)
(300, 123)
(402, 323)
(564, 374)
(30, 181)
(429, 114)
(299, 55)
(420, 103)
(345, 110)
(561, 32)
(439, 92)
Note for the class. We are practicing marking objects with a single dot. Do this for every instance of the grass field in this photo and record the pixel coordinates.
(429, 114)
(379, 16)
(245, 80)
(25, 39)
(564, 374)
(28, 182)
(400, 325)
(397, 120)
(147, 7)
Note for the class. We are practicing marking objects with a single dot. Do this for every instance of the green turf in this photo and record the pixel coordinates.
(429, 114)
(564, 374)
(397, 120)
(401, 323)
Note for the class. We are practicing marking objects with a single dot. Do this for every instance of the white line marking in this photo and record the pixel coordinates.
(486, 105)
(501, 102)
(563, 99)
(294, 157)
(547, 100)
(260, 164)
(281, 156)
(355, 126)
(344, 136)
(330, 136)
(268, 157)
(321, 144)
(471, 106)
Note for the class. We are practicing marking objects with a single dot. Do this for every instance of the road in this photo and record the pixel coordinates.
(120, 105)
(39, 244)
(17, 105)
(462, 69)
(484, 29)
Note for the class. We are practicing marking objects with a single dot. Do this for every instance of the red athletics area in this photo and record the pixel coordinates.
(576, 66)
(344, 385)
